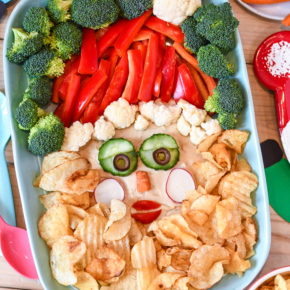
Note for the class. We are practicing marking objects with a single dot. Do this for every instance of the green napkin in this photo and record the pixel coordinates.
(277, 171)
(278, 183)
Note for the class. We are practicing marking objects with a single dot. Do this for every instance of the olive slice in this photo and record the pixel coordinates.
(162, 156)
(121, 162)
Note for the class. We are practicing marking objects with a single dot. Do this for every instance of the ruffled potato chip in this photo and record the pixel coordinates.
(118, 211)
(206, 266)
(145, 276)
(204, 145)
(182, 284)
(80, 200)
(237, 244)
(85, 281)
(65, 253)
(76, 215)
(100, 209)
(240, 184)
(237, 265)
(135, 234)
(106, 265)
(82, 180)
(119, 228)
(222, 155)
(243, 165)
(55, 159)
(180, 258)
(143, 254)
(122, 247)
(175, 227)
(55, 178)
(163, 259)
(54, 223)
(235, 139)
(127, 282)
(250, 236)
(164, 281)
(280, 283)
(90, 230)
(228, 216)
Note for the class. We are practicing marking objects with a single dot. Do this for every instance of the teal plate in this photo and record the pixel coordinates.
(28, 166)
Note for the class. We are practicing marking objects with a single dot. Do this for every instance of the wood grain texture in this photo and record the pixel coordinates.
(253, 29)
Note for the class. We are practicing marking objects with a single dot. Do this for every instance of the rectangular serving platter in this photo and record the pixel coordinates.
(28, 166)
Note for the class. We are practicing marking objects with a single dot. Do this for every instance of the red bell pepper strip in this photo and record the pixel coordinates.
(143, 34)
(71, 97)
(107, 53)
(127, 36)
(162, 41)
(111, 35)
(100, 33)
(172, 31)
(113, 60)
(89, 53)
(73, 69)
(92, 110)
(117, 83)
(131, 90)
(157, 84)
(146, 217)
(55, 90)
(58, 81)
(58, 110)
(142, 48)
(168, 74)
(146, 87)
(145, 205)
(178, 91)
(87, 92)
(191, 92)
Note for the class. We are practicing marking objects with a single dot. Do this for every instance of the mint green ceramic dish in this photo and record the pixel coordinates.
(28, 166)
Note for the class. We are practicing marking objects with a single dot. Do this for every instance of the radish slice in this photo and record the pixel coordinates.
(107, 190)
(179, 181)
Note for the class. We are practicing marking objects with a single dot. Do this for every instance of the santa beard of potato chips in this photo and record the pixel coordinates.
(210, 234)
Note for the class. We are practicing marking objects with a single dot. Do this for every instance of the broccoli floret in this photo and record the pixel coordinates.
(217, 24)
(212, 62)
(46, 136)
(24, 45)
(228, 101)
(134, 8)
(59, 10)
(27, 114)
(227, 121)
(66, 39)
(193, 41)
(39, 90)
(43, 63)
(37, 19)
(94, 13)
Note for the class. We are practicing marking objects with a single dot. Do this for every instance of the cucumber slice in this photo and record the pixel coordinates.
(159, 152)
(118, 156)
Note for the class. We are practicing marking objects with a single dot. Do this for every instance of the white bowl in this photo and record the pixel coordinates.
(283, 270)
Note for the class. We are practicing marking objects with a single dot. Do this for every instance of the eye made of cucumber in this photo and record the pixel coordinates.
(118, 156)
(159, 152)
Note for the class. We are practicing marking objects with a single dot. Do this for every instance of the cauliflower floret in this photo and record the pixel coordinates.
(104, 130)
(121, 113)
(197, 134)
(175, 11)
(161, 114)
(183, 126)
(77, 135)
(147, 110)
(191, 113)
(141, 123)
(211, 126)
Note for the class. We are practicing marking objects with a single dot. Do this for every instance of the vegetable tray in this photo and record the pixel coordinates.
(28, 166)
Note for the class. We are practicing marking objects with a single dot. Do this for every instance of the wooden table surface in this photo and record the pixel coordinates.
(253, 30)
